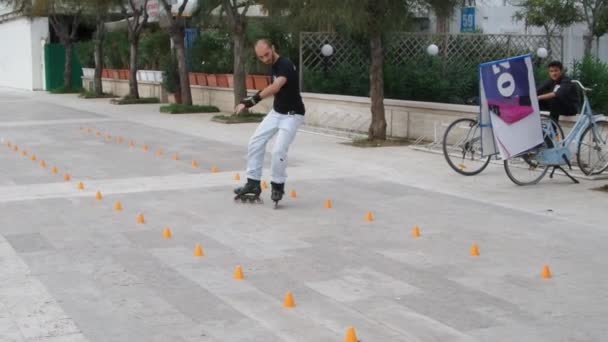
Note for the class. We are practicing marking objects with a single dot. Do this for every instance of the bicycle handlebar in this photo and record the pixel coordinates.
(581, 85)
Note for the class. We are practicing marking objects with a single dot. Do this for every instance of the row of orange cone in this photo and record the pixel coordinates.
(42, 163)
(288, 301)
(145, 147)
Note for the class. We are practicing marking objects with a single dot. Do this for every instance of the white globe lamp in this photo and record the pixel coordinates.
(432, 50)
(327, 50)
(542, 52)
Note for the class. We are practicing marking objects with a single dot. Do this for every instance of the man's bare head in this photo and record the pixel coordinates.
(265, 51)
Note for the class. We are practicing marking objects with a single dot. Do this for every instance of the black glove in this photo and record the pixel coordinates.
(252, 100)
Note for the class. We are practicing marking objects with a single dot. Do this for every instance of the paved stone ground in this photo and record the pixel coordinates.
(73, 269)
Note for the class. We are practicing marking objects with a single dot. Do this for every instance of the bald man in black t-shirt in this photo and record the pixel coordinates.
(284, 119)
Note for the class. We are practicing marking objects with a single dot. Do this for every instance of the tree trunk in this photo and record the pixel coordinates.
(377, 129)
(240, 87)
(67, 67)
(133, 89)
(443, 24)
(99, 39)
(184, 81)
(588, 39)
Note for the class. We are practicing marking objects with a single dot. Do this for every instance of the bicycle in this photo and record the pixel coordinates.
(589, 133)
(462, 145)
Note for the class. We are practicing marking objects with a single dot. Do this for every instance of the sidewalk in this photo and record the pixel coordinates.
(95, 274)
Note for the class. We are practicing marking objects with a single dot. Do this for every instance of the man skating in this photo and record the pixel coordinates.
(283, 120)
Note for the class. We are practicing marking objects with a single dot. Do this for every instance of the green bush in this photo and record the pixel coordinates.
(184, 109)
(171, 82)
(212, 53)
(63, 90)
(127, 100)
(341, 79)
(154, 47)
(592, 72)
(241, 118)
(86, 53)
(116, 50)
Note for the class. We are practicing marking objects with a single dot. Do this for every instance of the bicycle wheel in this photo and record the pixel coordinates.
(592, 153)
(462, 147)
(525, 169)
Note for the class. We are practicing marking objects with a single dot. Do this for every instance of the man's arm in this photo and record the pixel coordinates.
(270, 90)
(544, 91)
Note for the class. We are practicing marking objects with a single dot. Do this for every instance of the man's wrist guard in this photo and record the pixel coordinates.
(252, 100)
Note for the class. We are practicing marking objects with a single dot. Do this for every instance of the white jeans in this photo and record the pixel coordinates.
(286, 126)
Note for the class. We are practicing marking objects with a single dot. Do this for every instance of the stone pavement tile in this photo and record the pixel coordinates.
(353, 284)
(415, 326)
(28, 243)
(9, 331)
(64, 338)
(41, 110)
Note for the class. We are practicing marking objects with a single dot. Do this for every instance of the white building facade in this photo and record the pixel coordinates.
(496, 17)
(22, 51)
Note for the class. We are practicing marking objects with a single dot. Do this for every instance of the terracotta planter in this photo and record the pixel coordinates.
(114, 74)
(201, 79)
(230, 80)
(123, 74)
(249, 82)
(105, 73)
(222, 81)
(212, 80)
(260, 81)
(192, 78)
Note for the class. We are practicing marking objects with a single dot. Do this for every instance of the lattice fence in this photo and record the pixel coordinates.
(463, 50)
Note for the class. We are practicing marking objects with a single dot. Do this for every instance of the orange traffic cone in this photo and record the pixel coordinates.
(175, 156)
(264, 185)
(67, 177)
(416, 232)
(98, 195)
(159, 152)
(369, 217)
(167, 233)
(214, 169)
(546, 272)
(293, 194)
(80, 186)
(33, 157)
(42, 163)
(237, 177)
(351, 335)
(194, 163)
(140, 218)
(474, 251)
(54, 170)
(327, 204)
(117, 206)
(198, 251)
(238, 273)
(288, 302)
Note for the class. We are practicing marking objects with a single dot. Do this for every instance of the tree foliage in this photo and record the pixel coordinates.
(551, 15)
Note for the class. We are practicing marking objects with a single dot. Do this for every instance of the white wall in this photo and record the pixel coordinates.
(39, 32)
(21, 53)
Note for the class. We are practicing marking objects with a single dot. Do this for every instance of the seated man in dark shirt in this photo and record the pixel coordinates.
(558, 95)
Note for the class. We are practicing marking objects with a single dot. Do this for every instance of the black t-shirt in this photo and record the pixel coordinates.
(566, 101)
(288, 99)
